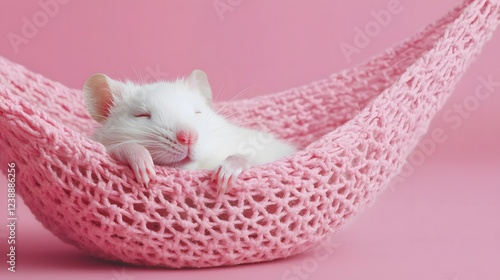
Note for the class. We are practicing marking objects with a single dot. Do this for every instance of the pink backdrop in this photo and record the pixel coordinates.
(440, 221)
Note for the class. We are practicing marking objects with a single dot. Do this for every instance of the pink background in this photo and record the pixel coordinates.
(441, 222)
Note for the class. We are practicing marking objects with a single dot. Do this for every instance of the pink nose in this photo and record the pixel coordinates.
(187, 137)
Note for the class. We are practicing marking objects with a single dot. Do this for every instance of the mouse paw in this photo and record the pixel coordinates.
(144, 170)
(228, 172)
(139, 159)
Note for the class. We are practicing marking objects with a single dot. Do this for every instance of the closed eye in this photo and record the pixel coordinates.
(197, 112)
(143, 115)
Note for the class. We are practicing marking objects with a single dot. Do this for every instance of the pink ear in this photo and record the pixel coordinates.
(98, 96)
(199, 79)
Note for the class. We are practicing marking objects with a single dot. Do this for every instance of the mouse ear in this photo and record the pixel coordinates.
(200, 80)
(98, 96)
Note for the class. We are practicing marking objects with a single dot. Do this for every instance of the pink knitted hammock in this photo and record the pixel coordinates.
(355, 130)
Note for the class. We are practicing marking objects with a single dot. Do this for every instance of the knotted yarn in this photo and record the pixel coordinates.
(355, 130)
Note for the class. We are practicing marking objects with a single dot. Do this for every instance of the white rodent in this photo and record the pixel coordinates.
(172, 123)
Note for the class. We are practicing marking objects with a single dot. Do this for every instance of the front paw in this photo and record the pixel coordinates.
(139, 159)
(228, 172)
(144, 170)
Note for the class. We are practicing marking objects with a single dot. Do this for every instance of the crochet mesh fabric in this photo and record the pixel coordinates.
(355, 129)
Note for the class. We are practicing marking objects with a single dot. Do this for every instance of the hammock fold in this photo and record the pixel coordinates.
(355, 130)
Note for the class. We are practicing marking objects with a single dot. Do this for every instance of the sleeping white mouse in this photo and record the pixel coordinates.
(173, 123)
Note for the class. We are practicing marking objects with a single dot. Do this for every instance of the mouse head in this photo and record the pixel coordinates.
(171, 119)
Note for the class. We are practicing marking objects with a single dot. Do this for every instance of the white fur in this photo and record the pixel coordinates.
(173, 107)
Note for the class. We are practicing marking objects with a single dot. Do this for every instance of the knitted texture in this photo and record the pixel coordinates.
(355, 130)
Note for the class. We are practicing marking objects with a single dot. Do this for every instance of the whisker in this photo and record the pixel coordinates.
(232, 99)
(243, 124)
(138, 75)
(219, 92)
